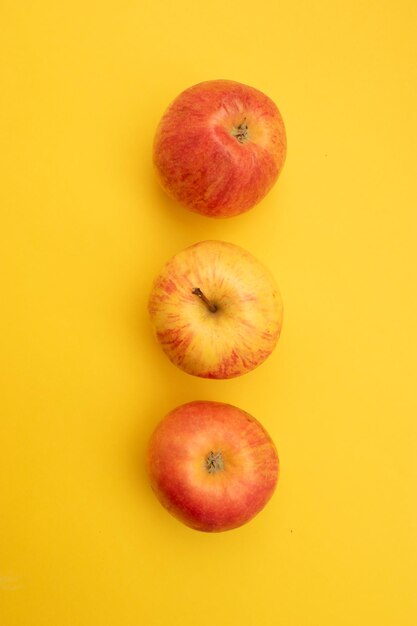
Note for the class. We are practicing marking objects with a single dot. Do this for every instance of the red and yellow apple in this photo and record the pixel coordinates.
(216, 310)
(212, 465)
(220, 147)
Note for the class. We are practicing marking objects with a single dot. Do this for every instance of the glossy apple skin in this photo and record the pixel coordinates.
(205, 163)
(178, 472)
(243, 331)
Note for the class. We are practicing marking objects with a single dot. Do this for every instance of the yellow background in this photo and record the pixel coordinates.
(84, 230)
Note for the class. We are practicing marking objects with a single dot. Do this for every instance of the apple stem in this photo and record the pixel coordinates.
(214, 462)
(241, 132)
(211, 307)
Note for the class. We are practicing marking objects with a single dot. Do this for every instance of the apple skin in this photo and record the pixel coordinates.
(220, 147)
(244, 329)
(190, 444)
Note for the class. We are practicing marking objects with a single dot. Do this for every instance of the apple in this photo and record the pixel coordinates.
(216, 310)
(212, 465)
(220, 147)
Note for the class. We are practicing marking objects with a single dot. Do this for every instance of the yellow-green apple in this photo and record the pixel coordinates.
(216, 310)
(212, 465)
(220, 147)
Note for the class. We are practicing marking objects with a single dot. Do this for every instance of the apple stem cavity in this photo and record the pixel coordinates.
(214, 462)
(241, 132)
(210, 305)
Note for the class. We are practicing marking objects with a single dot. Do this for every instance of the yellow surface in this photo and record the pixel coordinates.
(84, 229)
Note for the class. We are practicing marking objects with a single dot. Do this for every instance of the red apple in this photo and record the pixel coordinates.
(220, 147)
(216, 310)
(212, 466)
